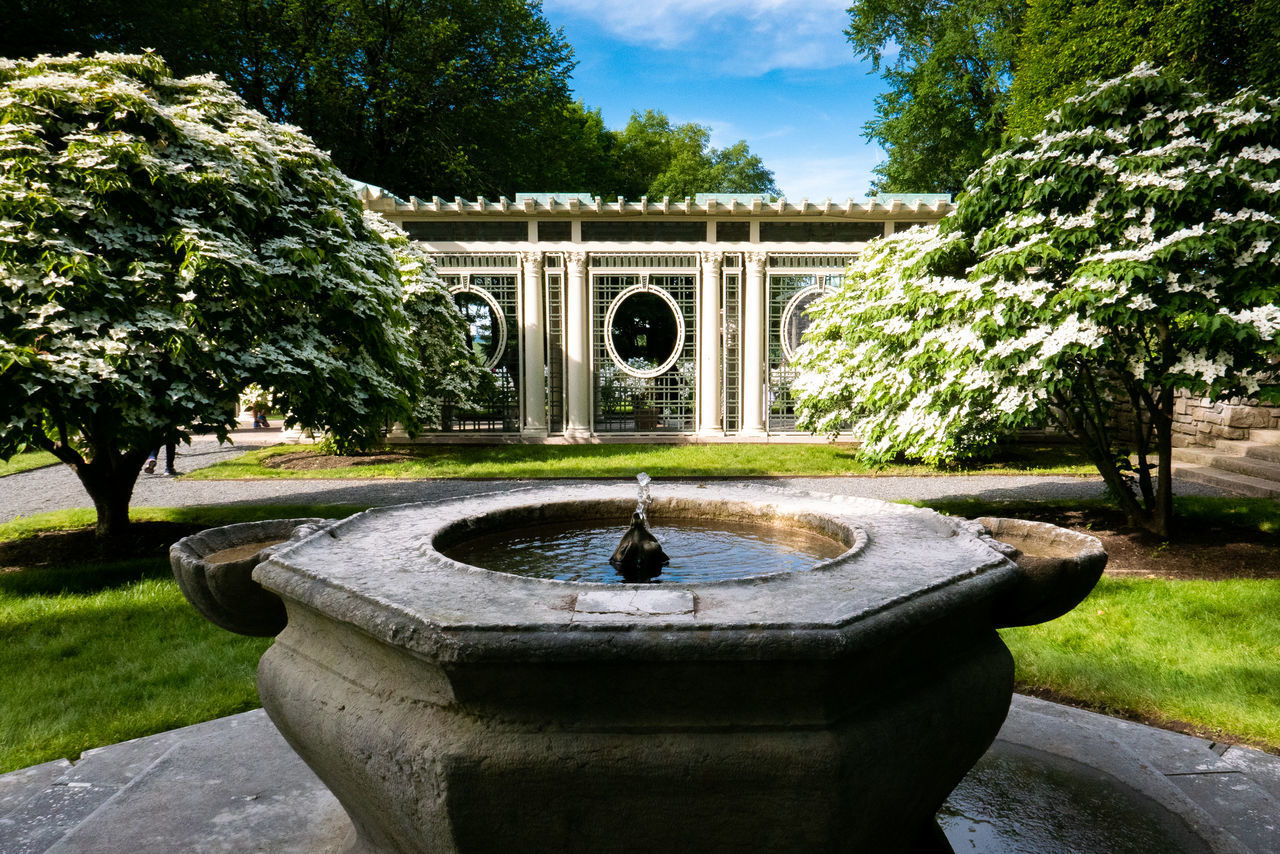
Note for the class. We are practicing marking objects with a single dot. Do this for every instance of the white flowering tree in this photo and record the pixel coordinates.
(1130, 250)
(161, 247)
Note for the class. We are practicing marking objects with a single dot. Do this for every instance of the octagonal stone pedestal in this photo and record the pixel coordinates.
(450, 708)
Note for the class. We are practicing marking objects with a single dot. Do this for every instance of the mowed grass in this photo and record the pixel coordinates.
(97, 652)
(26, 462)
(625, 460)
(1199, 653)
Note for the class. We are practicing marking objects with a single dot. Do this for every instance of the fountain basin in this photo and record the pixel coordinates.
(214, 571)
(451, 708)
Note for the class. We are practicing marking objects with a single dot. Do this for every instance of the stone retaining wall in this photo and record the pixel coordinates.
(1201, 421)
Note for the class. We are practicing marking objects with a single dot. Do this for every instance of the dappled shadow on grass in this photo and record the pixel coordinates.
(75, 562)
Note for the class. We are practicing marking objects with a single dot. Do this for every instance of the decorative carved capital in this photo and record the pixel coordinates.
(757, 259)
(575, 259)
(532, 262)
(711, 261)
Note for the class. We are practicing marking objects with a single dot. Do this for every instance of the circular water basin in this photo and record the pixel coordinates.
(700, 550)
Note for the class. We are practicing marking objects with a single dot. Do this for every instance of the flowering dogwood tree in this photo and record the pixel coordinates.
(161, 247)
(1130, 250)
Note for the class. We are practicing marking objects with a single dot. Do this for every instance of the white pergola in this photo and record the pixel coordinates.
(553, 271)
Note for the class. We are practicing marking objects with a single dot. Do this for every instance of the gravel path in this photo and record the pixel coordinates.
(57, 488)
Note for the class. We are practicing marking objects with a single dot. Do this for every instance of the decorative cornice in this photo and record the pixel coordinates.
(875, 208)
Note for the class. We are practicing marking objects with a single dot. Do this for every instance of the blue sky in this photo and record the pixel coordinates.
(777, 73)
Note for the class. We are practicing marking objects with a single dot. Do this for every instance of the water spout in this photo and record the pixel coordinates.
(643, 499)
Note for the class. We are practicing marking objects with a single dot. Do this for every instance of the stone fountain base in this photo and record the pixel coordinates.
(453, 709)
(640, 756)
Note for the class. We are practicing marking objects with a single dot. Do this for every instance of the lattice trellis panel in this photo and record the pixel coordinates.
(500, 410)
(629, 404)
(731, 354)
(788, 293)
(554, 305)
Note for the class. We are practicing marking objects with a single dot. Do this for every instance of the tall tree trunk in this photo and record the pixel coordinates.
(1162, 510)
(109, 479)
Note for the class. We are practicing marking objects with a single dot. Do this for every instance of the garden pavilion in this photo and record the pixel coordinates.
(612, 320)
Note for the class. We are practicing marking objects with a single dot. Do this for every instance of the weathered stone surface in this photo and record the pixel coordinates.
(1057, 569)
(16, 787)
(256, 796)
(214, 570)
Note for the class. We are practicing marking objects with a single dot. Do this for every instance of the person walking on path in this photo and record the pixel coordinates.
(170, 451)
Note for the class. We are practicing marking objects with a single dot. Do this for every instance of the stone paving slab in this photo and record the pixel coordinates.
(238, 788)
(17, 787)
(1236, 802)
(50, 814)
(1262, 768)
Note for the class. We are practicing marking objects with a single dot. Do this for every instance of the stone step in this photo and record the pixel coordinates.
(1267, 437)
(1251, 466)
(1270, 453)
(1196, 455)
(183, 801)
(1240, 484)
(74, 796)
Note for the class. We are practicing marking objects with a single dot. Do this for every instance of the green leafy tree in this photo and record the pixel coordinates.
(659, 159)
(1129, 250)
(947, 85)
(465, 97)
(162, 246)
(1224, 44)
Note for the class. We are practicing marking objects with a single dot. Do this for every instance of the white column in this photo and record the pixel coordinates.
(709, 350)
(577, 380)
(753, 334)
(532, 385)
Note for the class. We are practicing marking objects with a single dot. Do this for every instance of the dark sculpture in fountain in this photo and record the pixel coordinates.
(639, 556)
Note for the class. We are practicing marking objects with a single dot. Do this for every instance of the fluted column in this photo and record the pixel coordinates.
(753, 353)
(532, 386)
(709, 349)
(577, 384)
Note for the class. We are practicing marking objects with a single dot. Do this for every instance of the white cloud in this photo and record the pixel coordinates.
(817, 178)
(745, 37)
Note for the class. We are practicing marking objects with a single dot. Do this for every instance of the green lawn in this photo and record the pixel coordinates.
(95, 653)
(625, 460)
(25, 462)
(1206, 653)
(99, 652)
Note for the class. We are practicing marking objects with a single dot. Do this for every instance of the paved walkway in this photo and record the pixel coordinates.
(57, 488)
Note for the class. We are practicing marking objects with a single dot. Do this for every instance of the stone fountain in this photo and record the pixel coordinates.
(454, 708)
